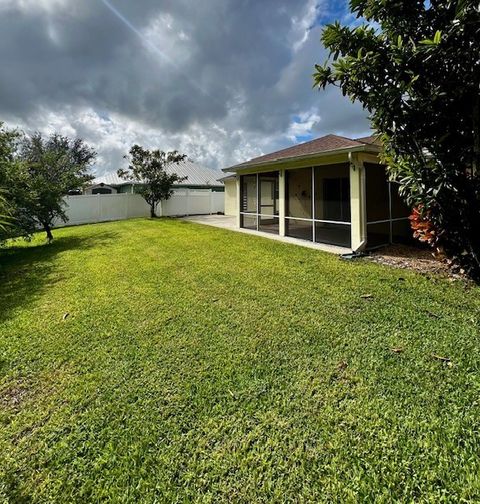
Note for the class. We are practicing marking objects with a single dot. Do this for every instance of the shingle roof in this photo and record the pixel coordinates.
(323, 144)
(196, 175)
(371, 139)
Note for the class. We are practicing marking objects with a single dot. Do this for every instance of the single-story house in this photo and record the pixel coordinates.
(197, 177)
(331, 190)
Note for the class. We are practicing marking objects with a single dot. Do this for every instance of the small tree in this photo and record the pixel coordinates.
(5, 212)
(148, 168)
(6, 152)
(416, 69)
(48, 169)
(12, 220)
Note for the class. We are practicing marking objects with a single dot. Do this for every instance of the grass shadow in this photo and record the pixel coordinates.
(26, 272)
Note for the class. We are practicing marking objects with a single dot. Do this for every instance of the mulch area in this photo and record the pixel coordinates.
(413, 258)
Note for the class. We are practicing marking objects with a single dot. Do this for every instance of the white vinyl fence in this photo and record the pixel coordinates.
(89, 208)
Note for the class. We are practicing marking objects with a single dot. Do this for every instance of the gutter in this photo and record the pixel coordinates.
(227, 177)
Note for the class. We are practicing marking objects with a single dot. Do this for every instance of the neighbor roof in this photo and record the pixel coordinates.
(328, 143)
(196, 176)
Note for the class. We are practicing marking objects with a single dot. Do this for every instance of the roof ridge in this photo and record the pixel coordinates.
(373, 139)
(326, 143)
(351, 139)
(301, 143)
(340, 136)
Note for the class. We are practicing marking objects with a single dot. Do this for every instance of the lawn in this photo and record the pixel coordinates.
(164, 361)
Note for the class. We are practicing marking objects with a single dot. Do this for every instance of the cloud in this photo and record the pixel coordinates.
(220, 80)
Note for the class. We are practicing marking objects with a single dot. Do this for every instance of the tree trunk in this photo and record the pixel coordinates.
(48, 230)
(152, 210)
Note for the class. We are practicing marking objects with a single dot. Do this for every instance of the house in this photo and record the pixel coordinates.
(331, 190)
(197, 177)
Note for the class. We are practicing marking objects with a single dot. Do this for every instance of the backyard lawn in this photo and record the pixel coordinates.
(164, 361)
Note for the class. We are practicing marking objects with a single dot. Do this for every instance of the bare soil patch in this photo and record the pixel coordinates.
(14, 395)
(413, 258)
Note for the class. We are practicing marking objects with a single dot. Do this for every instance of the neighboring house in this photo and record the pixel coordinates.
(330, 190)
(198, 177)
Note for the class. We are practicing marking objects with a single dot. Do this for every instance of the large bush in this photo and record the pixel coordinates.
(415, 67)
(36, 173)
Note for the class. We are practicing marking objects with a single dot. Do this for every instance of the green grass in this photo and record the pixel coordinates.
(198, 364)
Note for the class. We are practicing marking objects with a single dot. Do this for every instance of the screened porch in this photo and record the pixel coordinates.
(314, 204)
(317, 203)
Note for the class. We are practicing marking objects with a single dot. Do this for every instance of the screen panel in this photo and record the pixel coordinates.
(332, 193)
(298, 189)
(333, 234)
(248, 193)
(299, 229)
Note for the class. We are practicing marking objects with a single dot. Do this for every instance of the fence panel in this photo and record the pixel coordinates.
(176, 205)
(89, 208)
(218, 202)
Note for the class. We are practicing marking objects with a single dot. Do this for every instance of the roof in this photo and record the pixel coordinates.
(328, 143)
(231, 176)
(371, 139)
(196, 175)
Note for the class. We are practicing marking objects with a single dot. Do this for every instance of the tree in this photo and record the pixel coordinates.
(5, 150)
(415, 67)
(48, 169)
(5, 213)
(10, 223)
(148, 168)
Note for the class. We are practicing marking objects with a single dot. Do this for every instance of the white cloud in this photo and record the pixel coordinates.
(235, 80)
(301, 25)
(165, 34)
(30, 6)
(303, 125)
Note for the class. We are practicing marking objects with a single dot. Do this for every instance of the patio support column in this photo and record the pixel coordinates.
(358, 203)
(281, 203)
(239, 203)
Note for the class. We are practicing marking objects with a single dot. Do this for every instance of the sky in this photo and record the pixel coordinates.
(219, 80)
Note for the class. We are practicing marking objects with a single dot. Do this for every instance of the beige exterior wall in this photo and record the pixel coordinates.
(231, 197)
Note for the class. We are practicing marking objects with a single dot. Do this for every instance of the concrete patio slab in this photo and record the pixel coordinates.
(229, 222)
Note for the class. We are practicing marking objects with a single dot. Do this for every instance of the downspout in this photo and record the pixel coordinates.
(363, 242)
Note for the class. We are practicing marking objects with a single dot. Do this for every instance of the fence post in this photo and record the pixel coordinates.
(99, 208)
(187, 201)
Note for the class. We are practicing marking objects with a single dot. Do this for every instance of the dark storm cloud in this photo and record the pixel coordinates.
(179, 70)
